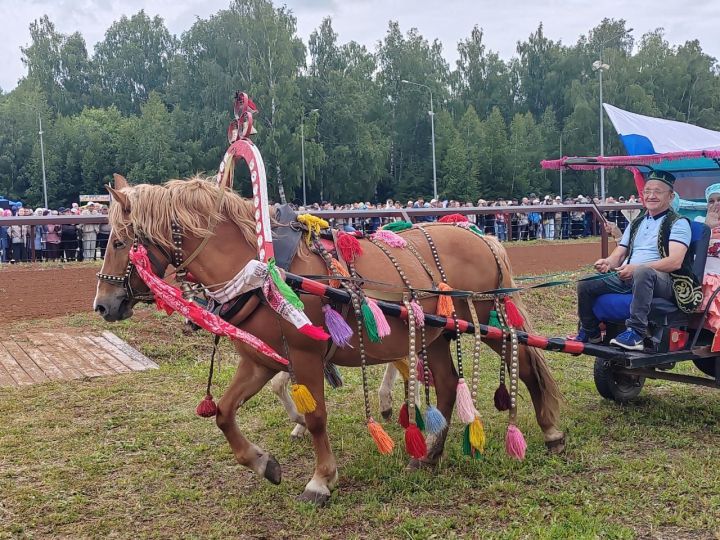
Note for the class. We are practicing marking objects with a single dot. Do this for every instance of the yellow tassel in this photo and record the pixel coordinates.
(477, 435)
(313, 224)
(303, 399)
(338, 270)
(403, 367)
(445, 306)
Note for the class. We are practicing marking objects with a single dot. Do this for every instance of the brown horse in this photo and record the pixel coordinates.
(145, 214)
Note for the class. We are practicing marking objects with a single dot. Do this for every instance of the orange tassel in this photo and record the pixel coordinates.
(382, 440)
(445, 306)
(338, 270)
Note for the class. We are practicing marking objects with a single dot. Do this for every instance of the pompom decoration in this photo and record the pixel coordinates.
(415, 442)
(206, 408)
(340, 331)
(339, 270)
(313, 224)
(515, 444)
(419, 313)
(403, 416)
(421, 372)
(493, 319)
(332, 375)
(303, 399)
(419, 420)
(370, 325)
(514, 318)
(453, 218)
(397, 226)
(349, 247)
(314, 332)
(467, 447)
(477, 435)
(434, 420)
(390, 238)
(445, 306)
(502, 398)
(381, 322)
(465, 407)
(382, 440)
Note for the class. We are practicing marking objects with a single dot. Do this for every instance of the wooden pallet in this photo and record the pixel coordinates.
(42, 356)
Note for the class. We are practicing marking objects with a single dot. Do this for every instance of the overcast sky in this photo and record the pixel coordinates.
(365, 21)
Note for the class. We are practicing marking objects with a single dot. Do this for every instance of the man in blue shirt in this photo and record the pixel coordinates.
(642, 269)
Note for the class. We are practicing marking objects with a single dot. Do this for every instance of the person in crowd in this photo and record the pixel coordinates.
(711, 278)
(89, 238)
(535, 221)
(68, 238)
(522, 221)
(548, 220)
(52, 239)
(18, 240)
(501, 222)
(557, 201)
(39, 239)
(103, 233)
(5, 255)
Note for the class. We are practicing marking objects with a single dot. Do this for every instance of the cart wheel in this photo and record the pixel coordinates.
(616, 386)
(706, 365)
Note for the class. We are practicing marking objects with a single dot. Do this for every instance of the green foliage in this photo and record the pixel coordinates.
(154, 106)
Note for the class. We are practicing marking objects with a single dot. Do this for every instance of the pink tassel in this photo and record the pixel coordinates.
(383, 327)
(206, 408)
(340, 332)
(421, 373)
(415, 442)
(348, 246)
(390, 238)
(419, 314)
(514, 318)
(314, 332)
(465, 406)
(515, 444)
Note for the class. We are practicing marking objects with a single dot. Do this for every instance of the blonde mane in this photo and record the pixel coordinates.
(191, 203)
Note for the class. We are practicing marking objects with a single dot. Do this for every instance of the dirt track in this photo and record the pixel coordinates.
(39, 292)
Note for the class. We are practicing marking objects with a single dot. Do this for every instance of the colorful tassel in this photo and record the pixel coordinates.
(332, 375)
(477, 434)
(515, 444)
(419, 313)
(445, 306)
(339, 270)
(453, 218)
(313, 225)
(434, 420)
(475, 229)
(381, 322)
(349, 247)
(415, 442)
(314, 332)
(370, 325)
(419, 420)
(493, 320)
(421, 372)
(303, 399)
(502, 398)
(282, 287)
(514, 317)
(403, 416)
(390, 238)
(467, 448)
(340, 331)
(397, 226)
(206, 408)
(465, 407)
(384, 443)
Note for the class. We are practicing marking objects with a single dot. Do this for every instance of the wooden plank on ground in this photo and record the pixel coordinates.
(71, 354)
(5, 378)
(109, 348)
(101, 353)
(89, 359)
(35, 373)
(52, 371)
(69, 368)
(13, 368)
(128, 350)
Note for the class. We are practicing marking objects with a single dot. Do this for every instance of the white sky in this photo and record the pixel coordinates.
(365, 21)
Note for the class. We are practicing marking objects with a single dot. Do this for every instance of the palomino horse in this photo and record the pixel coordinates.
(145, 214)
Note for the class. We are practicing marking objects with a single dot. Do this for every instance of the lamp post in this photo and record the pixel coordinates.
(432, 132)
(561, 156)
(302, 150)
(42, 159)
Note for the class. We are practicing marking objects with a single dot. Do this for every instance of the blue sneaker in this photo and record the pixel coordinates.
(629, 340)
(587, 336)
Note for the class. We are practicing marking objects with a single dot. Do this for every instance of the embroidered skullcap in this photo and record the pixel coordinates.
(715, 188)
(662, 176)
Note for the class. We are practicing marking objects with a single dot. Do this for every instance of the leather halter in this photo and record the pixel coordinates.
(124, 280)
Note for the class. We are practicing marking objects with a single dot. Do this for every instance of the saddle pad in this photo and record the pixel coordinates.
(286, 238)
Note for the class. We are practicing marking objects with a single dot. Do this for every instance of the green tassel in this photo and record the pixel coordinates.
(493, 320)
(370, 325)
(285, 290)
(419, 420)
(467, 448)
(477, 231)
(397, 226)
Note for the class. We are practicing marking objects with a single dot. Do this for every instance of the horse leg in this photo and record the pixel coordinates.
(249, 378)
(385, 391)
(543, 392)
(279, 385)
(309, 371)
(445, 377)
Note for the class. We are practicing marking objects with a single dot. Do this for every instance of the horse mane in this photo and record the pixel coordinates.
(191, 203)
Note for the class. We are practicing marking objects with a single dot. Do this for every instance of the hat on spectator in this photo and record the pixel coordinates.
(662, 176)
(558, 198)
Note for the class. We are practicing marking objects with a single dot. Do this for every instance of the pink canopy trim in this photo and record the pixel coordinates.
(626, 161)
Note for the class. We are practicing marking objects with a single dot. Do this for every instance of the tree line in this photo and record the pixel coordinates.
(155, 106)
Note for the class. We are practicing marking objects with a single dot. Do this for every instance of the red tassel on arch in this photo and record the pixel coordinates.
(206, 408)
(349, 247)
(415, 442)
(514, 318)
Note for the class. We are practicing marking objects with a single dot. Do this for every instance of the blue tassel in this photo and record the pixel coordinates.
(434, 420)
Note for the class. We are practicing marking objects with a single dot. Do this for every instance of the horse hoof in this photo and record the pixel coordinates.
(387, 415)
(420, 465)
(298, 432)
(318, 499)
(556, 447)
(273, 471)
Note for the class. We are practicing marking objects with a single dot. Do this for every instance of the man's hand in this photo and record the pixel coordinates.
(612, 229)
(626, 272)
(602, 266)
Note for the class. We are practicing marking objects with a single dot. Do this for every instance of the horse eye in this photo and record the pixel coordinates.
(118, 244)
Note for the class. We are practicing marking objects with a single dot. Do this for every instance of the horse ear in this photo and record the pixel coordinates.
(119, 197)
(120, 181)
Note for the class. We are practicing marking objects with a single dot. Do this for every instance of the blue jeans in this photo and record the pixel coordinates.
(501, 231)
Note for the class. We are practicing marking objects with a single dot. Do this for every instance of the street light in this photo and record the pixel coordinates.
(432, 131)
(561, 156)
(599, 66)
(42, 158)
(302, 150)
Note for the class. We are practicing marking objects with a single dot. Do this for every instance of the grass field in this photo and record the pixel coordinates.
(126, 457)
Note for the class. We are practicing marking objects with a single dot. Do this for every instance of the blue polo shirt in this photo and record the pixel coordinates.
(645, 248)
